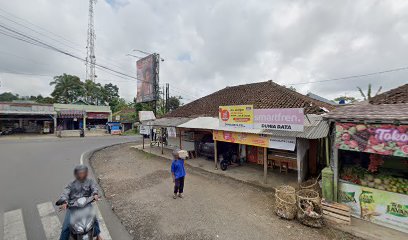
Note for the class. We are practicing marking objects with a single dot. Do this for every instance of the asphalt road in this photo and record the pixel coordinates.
(34, 171)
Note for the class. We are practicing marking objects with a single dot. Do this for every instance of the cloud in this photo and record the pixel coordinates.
(208, 45)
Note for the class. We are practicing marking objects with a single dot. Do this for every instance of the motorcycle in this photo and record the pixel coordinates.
(229, 159)
(82, 219)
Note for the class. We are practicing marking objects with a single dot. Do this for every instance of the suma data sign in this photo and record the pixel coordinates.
(239, 116)
(286, 119)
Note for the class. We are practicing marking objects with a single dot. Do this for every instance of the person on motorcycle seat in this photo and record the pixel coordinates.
(82, 186)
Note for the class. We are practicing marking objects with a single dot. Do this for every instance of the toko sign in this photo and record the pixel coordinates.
(286, 119)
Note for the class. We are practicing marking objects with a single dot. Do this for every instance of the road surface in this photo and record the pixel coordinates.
(33, 173)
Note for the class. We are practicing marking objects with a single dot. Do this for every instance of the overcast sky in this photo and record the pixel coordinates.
(208, 45)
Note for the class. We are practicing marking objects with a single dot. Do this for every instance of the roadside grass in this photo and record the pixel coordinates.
(131, 132)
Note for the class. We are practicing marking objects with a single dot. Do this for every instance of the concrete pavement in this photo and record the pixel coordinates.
(34, 172)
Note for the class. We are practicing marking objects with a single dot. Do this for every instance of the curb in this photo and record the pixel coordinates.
(105, 206)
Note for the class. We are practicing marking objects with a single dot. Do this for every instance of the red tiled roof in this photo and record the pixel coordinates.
(396, 95)
(370, 112)
(261, 95)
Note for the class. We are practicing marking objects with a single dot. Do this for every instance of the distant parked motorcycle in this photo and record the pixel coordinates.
(83, 218)
(229, 159)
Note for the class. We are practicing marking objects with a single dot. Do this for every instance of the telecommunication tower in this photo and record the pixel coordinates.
(90, 45)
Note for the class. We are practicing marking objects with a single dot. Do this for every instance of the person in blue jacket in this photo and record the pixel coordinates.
(178, 173)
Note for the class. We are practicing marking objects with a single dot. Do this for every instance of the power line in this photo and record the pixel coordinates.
(71, 44)
(32, 40)
(352, 76)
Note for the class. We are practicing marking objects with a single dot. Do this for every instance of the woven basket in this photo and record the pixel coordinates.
(309, 207)
(311, 184)
(285, 202)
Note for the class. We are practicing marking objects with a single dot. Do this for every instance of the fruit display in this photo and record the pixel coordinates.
(384, 139)
(363, 177)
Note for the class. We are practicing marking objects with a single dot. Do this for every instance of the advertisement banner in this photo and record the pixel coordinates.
(283, 143)
(286, 119)
(241, 138)
(146, 76)
(144, 130)
(240, 116)
(96, 115)
(171, 132)
(146, 116)
(384, 139)
(381, 207)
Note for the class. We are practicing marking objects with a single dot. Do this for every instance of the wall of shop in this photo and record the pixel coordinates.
(302, 146)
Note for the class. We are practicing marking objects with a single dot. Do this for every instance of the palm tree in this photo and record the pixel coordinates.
(67, 88)
(368, 95)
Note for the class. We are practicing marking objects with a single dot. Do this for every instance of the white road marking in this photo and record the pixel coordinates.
(104, 230)
(49, 220)
(14, 225)
(81, 160)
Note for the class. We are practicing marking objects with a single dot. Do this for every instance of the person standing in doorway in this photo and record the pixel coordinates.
(178, 173)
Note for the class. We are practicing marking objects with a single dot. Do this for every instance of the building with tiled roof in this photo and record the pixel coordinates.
(396, 95)
(262, 95)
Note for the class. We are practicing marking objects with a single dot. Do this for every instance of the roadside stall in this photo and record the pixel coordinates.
(263, 137)
(370, 162)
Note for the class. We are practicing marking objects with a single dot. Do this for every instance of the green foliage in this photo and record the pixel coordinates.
(8, 97)
(174, 102)
(67, 89)
(369, 90)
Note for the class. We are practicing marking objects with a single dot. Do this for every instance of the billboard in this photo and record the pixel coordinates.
(384, 139)
(146, 75)
(286, 119)
(241, 116)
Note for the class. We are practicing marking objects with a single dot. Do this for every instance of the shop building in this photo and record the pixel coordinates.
(370, 159)
(77, 116)
(196, 128)
(26, 117)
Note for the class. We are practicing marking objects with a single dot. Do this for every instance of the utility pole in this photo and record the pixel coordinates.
(90, 45)
(167, 97)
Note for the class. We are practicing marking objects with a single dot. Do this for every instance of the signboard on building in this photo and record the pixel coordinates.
(146, 75)
(384, 139)
(381, 207)
(241, 138)
(283, 143)
(286, 119)
(239, 116)
(97, 115)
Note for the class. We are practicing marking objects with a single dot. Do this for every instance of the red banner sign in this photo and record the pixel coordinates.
(384, 139)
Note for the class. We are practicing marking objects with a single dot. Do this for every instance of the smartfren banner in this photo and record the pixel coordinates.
(285, 119)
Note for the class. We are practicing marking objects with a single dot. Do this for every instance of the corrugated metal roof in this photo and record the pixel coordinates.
(315, 127)
(167, 122)
(201, 123)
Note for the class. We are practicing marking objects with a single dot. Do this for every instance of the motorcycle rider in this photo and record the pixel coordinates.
(82, 186)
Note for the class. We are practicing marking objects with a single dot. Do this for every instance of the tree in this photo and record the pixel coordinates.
(67, 89)
(94, 93)
(118, 104)
(8, 97)
(368, 95)
(174, 102)
(111, 92)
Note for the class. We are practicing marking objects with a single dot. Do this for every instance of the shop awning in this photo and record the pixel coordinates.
(166, 122)
(97, 115)
(201, 123)
(70, 113)
(315, 127)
